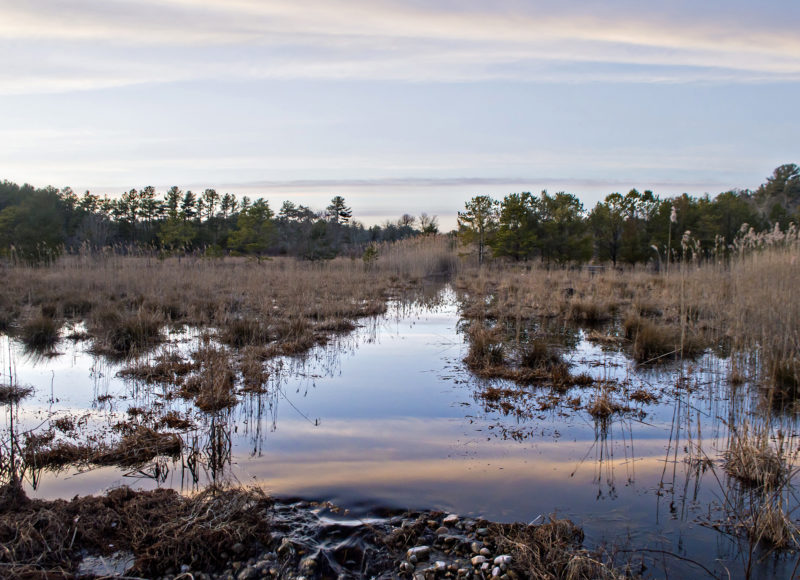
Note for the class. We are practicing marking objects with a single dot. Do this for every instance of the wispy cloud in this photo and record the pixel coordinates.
(54, 46)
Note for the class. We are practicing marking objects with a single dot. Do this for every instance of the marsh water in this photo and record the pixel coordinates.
(389, 417)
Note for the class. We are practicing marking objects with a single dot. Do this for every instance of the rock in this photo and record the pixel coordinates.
(406, 567)
(476, 547)
(249, 573)
(502, 560)
(441, 531)
(485, 566)
(450, 520)
(462, 571)
(496, 572)
(485, 552)
(478, 560)
(440, 566)
(419, 553)
(482, 532)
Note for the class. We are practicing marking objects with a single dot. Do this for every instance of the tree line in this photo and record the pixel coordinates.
(633, 228)
(37, 225)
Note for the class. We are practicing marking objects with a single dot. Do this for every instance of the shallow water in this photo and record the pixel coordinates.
(388, 417)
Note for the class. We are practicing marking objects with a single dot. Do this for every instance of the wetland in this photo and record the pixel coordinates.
(328, 420)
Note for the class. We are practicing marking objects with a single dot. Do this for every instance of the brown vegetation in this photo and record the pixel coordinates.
(138, 445)
(754, 462)
(10, 394)
(163, 529)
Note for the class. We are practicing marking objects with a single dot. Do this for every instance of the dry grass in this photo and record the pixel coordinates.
(122, 332)
(753, 461)
(40, 333)
(547, 551)
(166, 369)
(163, 529)
(12, 394)
(772, 526)
(604, 405)
(213, 387)
(287, 304)
(138, 445)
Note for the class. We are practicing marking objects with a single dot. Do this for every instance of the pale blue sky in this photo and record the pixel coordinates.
(398, 106)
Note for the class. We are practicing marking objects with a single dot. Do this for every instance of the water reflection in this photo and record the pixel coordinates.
(388, 416)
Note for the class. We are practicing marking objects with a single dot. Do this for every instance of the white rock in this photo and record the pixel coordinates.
(450, 520)
(496, 572)
(419, 553)
(478, 560)
(502, 559)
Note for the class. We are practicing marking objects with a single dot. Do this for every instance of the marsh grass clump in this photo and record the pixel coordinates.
(485, 348)
(173, 420)
(167, 368)
(254, 375)
(537, 353)
(589, 311)
(240, 332)
(751, 460)
(12, 394)
(40, 334)
(652, 341)
(125, 333)
(213, 387)
(139, 445)
(771, 525)
(604, 405)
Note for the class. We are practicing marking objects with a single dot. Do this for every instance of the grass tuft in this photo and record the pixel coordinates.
(40, 334)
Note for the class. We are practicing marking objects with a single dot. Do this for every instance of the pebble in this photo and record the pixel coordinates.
(419, 553)
(503, 559)
(440, 566)
(476, 547)
(441, 531)
(450, 520)
(482, 532)
(485, 552)
(478, 560)
(496, 571)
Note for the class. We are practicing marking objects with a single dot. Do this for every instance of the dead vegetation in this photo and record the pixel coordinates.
(13, 393)
(40, 333)
(286, 304)
(548, 551)
(753, 461)
(163, 529)
(138, 445)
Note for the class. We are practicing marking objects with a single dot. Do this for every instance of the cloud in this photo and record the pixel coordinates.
(94, 44)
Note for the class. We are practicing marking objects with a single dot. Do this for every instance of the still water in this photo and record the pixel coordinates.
(388, 417)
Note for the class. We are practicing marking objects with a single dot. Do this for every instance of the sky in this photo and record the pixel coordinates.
(399, 106)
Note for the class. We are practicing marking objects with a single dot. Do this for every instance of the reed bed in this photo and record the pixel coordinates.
(128, 300)
(745, 306)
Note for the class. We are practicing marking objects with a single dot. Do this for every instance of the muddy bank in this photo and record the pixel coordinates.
(242, 534)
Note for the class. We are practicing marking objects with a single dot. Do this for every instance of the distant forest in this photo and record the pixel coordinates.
(37, 225)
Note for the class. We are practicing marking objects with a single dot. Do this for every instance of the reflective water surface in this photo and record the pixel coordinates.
(389, 417)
